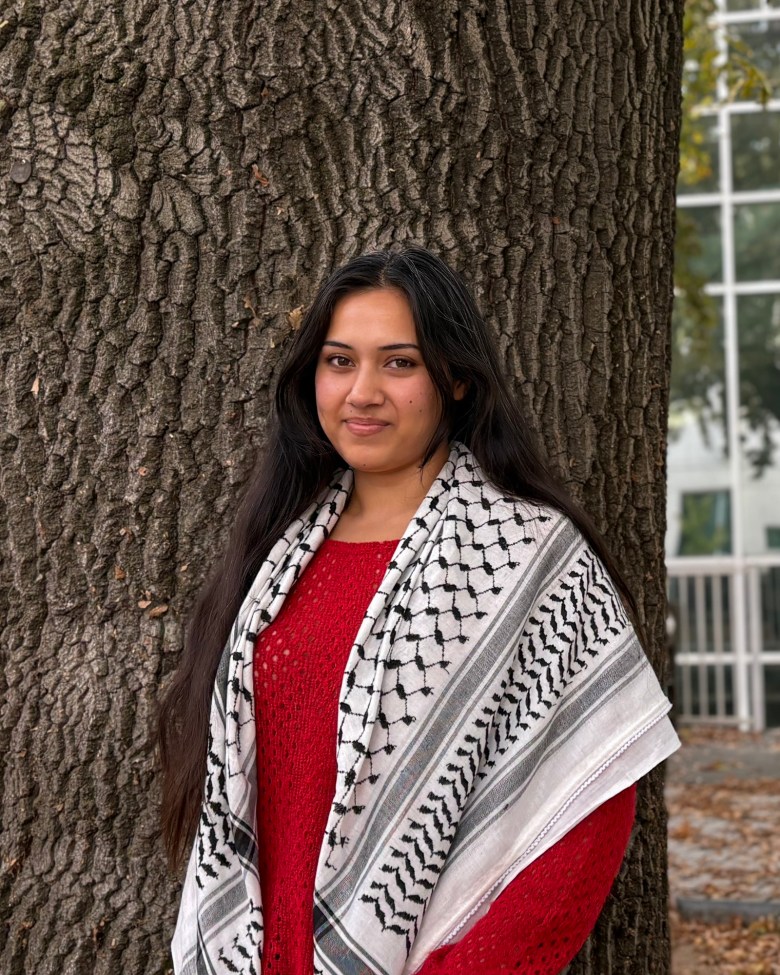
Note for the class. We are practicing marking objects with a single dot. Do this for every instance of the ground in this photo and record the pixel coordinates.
(723, 793)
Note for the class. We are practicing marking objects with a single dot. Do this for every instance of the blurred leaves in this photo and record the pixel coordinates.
(723, 846)
(704, 67)
(698, 372)
(731, 948)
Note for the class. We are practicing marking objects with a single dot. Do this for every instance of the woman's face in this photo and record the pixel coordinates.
(375, 398)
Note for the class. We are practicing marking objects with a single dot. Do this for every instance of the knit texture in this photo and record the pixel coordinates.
(534, 927)
(299, 665)
(540, 922)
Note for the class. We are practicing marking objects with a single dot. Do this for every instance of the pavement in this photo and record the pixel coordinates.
(723, 795)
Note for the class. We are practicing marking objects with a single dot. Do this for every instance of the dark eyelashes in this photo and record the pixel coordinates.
(406, 363)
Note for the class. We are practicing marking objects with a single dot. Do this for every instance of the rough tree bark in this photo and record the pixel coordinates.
(175, 180)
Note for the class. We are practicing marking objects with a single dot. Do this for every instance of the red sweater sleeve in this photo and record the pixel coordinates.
(542, 919)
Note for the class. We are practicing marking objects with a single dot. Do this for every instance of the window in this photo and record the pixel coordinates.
(755, 140)
(762, 38)
(756, 241)
(706, 523)
(704, 224)
(703, 175)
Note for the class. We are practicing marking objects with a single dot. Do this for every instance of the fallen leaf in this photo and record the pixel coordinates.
(250, 307)
(295, 317)
(681, 832)
(261, 178)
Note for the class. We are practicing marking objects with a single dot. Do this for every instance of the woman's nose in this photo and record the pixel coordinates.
(365, 389)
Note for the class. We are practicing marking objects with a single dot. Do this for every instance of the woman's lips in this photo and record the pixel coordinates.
(365, 428)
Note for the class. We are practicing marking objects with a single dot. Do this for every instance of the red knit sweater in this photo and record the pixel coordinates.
(534, 927)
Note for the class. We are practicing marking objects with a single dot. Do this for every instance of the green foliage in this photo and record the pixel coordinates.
(706, 524)
(704, 68)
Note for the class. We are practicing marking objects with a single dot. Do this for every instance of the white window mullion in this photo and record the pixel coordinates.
(728, 17)
(739, 632)
(745, 288)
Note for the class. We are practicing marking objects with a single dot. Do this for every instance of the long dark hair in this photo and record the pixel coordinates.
(299, 461)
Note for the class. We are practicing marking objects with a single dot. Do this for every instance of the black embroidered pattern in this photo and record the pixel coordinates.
(433, 602)
(459, 657)
(573, 619)
(442, 598)
(564, 631)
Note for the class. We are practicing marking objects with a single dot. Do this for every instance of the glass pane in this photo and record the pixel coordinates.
(705, 603)
(770, 609)
(706, 523)
(758, 324)
(757, 241)
(720, 682)
(698, 358)
(700, 165)
(762, 38)
(687, 597)
(698, 242)
(728, 680)
(755, 140)
(772, 690)
(697, 458)
(742, 5)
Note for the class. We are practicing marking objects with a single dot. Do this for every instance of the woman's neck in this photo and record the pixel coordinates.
(382, 503)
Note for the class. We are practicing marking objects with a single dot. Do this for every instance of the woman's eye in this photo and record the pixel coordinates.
(400, 363)
(338, 360)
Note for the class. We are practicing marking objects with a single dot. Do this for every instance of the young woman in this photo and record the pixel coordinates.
(412, 706)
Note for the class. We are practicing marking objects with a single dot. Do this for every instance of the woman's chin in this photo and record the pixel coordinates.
(371, 458)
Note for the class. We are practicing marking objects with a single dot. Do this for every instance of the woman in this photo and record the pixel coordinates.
(428, 706)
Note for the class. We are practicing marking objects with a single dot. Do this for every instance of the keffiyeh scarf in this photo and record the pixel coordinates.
(495, 695)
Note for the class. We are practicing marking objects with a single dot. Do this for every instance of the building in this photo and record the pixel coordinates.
(723, 541)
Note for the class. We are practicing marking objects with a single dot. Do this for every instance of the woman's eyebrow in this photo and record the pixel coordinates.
(382, 348)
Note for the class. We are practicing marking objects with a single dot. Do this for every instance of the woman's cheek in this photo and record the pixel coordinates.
(326, 396)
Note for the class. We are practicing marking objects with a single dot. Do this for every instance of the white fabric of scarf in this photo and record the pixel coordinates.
(495, 695)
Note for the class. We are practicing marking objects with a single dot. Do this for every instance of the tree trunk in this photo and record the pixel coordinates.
(176, 178)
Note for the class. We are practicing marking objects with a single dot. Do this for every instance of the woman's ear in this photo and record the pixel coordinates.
(459, 388)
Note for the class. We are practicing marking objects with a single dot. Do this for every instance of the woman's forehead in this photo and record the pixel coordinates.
(380, 316)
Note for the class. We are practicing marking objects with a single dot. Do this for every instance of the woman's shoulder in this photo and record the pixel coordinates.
(478, 493)
(489, 510)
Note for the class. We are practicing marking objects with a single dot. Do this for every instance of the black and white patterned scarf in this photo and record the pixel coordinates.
(494, 696)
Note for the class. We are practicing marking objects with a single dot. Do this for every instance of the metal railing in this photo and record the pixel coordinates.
(726, 633)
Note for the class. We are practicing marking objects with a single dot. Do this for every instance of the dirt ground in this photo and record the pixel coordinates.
(723, 794)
